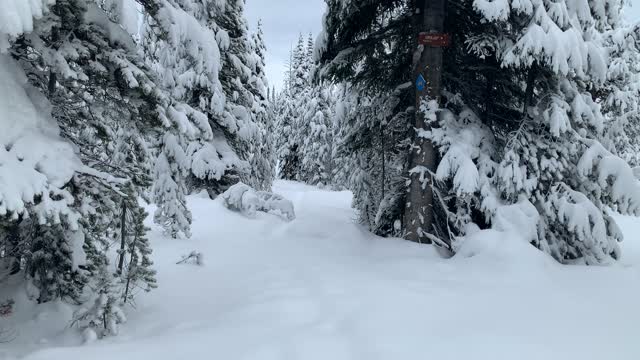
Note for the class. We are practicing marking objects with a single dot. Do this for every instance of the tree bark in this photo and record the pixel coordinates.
(51, 87)
(418, 220)
(123, 236)
(531, 82)
(384, 165)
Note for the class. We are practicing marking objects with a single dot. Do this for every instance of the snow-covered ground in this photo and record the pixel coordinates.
(320, 287)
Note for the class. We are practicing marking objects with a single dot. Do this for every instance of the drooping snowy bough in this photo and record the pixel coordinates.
(559, 147)
(34, 160)
(539, 103)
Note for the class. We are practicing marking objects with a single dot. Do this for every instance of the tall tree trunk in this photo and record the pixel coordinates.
(418, 219)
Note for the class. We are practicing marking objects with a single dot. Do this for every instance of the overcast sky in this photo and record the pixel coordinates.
(633, 14)
(283, 21)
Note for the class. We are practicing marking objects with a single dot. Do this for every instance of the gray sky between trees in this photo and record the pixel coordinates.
(282, 22)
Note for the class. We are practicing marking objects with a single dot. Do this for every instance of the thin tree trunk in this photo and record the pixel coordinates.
(52, 82)
(123, 236)
(384, 165)
(418, 220)
(129, 273)
(55, 36)
(531, 82)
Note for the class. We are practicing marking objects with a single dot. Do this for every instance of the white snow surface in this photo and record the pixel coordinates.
(320, 287)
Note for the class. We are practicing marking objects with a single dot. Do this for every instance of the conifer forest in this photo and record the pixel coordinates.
(319, 179)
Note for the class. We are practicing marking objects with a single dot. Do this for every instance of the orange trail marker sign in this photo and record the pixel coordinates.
(434, 39)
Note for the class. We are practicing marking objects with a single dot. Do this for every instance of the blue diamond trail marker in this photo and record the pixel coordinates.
(420, 82)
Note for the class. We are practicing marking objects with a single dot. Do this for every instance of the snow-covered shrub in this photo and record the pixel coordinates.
(241, 198)
(244, 199)
(276, 204)
(104, 314)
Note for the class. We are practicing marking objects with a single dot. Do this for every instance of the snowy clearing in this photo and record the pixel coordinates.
(320, 287)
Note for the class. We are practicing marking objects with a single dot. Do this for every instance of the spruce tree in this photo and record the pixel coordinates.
(262, 145)
(50, 265)
(182, 42)
(518, 121)
(105, 101)
(369, 47)
(292, 105)
(621, 93)
(315, 136)
(556, 158)
(138, 273)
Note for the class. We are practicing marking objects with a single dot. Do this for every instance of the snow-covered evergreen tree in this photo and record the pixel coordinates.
(622, 93)
(314, 131)
(138, 272)
(184, 54)
(203, 54)
(106, 103)
(50, 267)
(369, 47)
(291, 106)
(555, 158)
(524, 127)
(263, 161)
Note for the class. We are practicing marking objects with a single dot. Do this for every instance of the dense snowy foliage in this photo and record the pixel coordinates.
(306, 114)
(539, 103)
(97, 116)
(526, 144)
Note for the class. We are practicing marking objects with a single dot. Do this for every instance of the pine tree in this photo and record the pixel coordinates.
(170, 189)
(291, 109)
(622, 92)
(138, 272)
(555, 157)
(376, 36)
(106, 102)
(50, 265)
(315, 136)
(519, 121)
(313, 121)
(105, 313)
(97, 86)
(183, 42)
(262, 145)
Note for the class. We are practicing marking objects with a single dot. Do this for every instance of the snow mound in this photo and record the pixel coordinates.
(502, 249)
(514, 228)
(246, 200)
